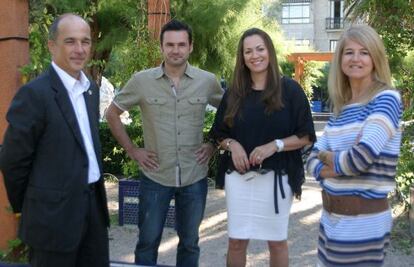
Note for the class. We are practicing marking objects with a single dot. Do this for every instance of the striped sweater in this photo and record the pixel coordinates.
(366, 141)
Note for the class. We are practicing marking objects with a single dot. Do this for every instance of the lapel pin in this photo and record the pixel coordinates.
(90, 92)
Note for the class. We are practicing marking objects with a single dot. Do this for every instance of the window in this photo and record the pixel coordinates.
(332, 45)
(302, 42)
(336, 20)
(337, 8)
(293, 13)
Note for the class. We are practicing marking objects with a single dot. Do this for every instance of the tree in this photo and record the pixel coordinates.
(111, 22)
(394, 21)
(217, 26)
(213, 23)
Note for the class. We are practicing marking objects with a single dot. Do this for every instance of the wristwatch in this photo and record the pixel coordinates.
(279, 145)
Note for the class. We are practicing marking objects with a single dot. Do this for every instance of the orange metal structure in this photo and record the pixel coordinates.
(158, 15)
(14, 53)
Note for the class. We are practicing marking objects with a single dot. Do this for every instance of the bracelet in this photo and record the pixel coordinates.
(229, 141)
(280, 145)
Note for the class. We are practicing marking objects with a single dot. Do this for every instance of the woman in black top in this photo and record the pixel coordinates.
(263, 121)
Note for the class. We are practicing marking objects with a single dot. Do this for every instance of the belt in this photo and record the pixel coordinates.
(353, 205)
(259, 170)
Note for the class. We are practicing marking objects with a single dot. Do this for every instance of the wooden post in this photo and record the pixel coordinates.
(158, 15)
(14, 53)
(299, 68)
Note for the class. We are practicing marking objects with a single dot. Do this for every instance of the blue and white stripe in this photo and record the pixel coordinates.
(353, 240)
(366, 141)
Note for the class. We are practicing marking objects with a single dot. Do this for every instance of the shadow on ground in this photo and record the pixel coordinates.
(303, 233)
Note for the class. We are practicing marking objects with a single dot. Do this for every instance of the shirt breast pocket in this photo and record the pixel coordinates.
(197, 107)
(157, 106)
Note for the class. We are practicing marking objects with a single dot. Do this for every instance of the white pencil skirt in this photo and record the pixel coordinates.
(251, 210)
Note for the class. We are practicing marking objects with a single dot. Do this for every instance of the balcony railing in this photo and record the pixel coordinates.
(334, 23)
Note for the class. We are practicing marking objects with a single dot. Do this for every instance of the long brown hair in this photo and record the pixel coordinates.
(242, 81)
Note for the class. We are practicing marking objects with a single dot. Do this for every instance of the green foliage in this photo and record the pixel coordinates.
(115, 160)
(113, 155)
(39, 21)
(113, 219)
(213, 23)
(311, 73)
(16, 251)
(121, 40)
(208, 120)
(213, 163)
(288, 69)
(134, 55)
(111, 23)
(273, 9)
(321, 84)
(405, 82)
(405, 168)
(394, 21)
(217, 26)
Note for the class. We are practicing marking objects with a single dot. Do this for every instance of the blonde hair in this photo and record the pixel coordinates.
(338, 83)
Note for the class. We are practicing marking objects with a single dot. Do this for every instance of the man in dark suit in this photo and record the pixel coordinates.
(50, 157)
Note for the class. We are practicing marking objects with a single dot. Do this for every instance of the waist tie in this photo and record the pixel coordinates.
(278, 180)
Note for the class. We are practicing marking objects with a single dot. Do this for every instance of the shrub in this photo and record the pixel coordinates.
(405, 168)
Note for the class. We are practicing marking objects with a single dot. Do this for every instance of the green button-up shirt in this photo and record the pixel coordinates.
(172, 119)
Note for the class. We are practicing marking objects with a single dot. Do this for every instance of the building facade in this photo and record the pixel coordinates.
(315, 24)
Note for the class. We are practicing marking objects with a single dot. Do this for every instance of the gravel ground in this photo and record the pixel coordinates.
(303, 232)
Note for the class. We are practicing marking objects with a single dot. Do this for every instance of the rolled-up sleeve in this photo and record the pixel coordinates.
(129, 95)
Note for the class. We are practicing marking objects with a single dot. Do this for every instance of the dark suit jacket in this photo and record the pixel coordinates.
(45, 165)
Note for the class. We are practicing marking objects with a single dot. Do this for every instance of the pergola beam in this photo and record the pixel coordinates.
(299, 60)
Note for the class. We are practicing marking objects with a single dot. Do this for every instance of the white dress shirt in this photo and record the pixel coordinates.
(75, 89)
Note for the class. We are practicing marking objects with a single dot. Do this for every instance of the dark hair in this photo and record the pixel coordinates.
(242, 81)
(53, 29)
(176, 25)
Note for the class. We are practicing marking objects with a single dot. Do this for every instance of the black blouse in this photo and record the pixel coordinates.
(253, 127)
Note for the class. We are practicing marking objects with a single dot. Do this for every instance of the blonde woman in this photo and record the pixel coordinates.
(355, 160)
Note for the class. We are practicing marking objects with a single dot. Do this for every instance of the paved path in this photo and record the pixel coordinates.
(303, 232)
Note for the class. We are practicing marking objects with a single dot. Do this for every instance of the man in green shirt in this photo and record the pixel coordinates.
(172, 98)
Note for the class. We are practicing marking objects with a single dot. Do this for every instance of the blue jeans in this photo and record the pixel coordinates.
(154, 200)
